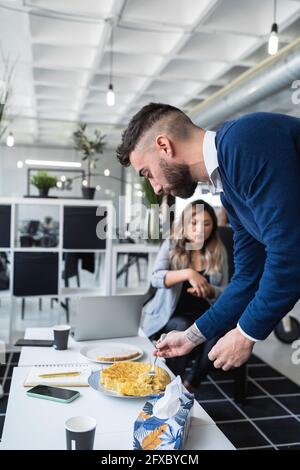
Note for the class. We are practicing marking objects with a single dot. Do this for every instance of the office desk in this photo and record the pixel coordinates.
(44, 355)
(39, 424)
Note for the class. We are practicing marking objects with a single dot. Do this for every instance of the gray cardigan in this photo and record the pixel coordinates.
(159, 309)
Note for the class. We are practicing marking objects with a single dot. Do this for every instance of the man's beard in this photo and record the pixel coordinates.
(179, 179)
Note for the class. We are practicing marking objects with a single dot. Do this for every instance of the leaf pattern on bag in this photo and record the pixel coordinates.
(153, 440)
(136, 444)
(148, 408)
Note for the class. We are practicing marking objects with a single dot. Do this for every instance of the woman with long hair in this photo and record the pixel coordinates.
(189, 274)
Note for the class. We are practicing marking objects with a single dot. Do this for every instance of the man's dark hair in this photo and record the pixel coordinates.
(143, 120)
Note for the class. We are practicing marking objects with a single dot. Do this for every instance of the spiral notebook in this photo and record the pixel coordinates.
(36, 372)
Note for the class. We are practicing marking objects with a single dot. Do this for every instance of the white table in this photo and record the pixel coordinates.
(39, 424)
(44, 355)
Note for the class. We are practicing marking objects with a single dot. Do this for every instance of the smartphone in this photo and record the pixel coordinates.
(62, 395)
(34, 342)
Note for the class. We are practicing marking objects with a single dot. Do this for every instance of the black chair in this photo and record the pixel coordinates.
(72, 270)
(133, 259)
(29, 236)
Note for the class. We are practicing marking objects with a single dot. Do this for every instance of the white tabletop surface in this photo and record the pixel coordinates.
(45, 355)
(33, 423)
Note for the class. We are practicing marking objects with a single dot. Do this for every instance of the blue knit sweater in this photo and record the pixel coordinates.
(259, 165)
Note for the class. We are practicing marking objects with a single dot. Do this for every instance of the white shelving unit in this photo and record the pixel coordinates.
(63, 292)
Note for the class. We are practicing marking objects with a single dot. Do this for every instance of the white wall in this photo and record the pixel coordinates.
(13, 180)
(213, 200)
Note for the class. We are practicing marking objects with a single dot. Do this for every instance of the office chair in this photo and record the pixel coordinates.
(287, 330)
(133, 259)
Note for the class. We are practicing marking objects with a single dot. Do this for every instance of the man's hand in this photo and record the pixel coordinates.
(232, 350)
(175, 343)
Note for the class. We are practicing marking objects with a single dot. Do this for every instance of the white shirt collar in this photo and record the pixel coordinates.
(211, 161)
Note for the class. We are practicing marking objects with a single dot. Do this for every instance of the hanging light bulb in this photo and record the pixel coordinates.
(10, 141)
(273, 38)
(110, 95)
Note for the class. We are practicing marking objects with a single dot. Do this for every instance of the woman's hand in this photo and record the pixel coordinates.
(200, 286)
(192, 291)
(174, 344)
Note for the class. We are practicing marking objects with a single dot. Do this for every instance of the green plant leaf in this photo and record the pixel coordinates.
(43, 180)
(89, 147)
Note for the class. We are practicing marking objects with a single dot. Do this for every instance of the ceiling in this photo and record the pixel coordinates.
(175, 51)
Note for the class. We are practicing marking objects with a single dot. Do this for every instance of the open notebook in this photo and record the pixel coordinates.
(79, 380)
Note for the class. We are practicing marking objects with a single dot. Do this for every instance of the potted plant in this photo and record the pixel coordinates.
(43, 182)
(88, 148)
(5, 92)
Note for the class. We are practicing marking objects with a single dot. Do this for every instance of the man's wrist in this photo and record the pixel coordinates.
(194, 335)
(245, 335)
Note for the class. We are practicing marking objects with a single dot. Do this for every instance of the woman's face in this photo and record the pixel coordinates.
(199, 228)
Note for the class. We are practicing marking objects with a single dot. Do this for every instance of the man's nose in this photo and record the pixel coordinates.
(157, 188)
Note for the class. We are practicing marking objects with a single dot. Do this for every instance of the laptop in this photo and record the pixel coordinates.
(108, 317)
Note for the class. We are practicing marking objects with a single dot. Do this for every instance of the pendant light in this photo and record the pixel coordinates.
(110, 95)
(273, 38)
(10, 141)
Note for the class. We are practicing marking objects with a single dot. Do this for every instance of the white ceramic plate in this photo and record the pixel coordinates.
(92, 352)
(94, 382)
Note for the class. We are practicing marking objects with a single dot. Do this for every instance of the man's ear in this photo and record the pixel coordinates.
(164, 146)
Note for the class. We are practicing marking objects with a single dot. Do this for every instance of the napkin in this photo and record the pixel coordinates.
(164, 421)
(169, 404)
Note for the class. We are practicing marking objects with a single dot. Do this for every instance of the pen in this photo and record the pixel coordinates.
(60, 374)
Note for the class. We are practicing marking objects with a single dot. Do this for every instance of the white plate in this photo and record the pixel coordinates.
(94, 382)
(91, 353)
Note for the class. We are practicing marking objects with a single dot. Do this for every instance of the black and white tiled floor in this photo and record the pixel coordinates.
(6, 370)
(270, 418)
